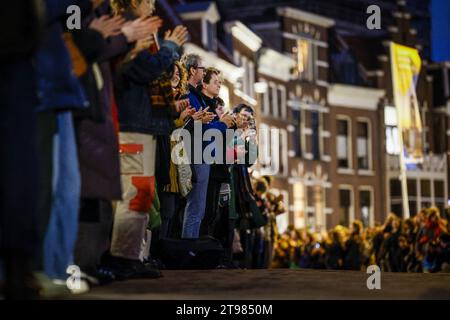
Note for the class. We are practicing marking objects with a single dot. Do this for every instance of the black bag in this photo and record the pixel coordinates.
(203, 253)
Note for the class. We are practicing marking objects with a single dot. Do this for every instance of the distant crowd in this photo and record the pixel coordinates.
(417, 244)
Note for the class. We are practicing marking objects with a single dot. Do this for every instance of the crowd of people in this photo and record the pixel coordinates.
(418, 244)
(99, 123)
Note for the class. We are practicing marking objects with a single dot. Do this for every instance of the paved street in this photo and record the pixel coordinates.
(276, 284)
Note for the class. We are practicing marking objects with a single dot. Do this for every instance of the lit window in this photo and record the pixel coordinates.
(343, 143)
(284, 152)
(392, 137)
(272, 141)
(362, 145)
(365, 204)
(305, 59)
(345, 205)
(299, 205)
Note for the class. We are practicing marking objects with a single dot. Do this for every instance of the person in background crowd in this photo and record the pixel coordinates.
(429, 237)
(140, 124)
(97, 143)
(60, 96)
(196, 199)
(218, 171)
(335, 248)
(352, 255)
(396, 240)
(250, 217)
(169, 195)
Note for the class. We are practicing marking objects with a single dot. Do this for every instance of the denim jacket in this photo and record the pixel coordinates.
(133, 94)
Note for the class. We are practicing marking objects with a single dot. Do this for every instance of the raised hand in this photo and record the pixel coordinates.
(143, 44)
(186, 113)
(182, 105)
(198, 115)
(208, 117)
(179, 35)
(228, 120)
(141, 28)
(108, 26)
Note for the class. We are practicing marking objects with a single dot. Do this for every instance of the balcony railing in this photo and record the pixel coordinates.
(436, 163)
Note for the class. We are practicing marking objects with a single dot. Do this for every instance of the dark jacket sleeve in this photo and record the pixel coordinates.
(57, 9)
(115, 46)
(146, 67)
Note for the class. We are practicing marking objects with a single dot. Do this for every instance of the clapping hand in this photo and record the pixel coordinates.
(179, 35)
(108, 26)
(141, 28)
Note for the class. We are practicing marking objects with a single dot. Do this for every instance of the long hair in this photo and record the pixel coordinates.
(245, 107)
(119, 6)
(182, 87)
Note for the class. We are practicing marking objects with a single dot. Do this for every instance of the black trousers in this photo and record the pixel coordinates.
(46, 129)
(224, 232)
(211, 210)
(94, 233)
(168, 205)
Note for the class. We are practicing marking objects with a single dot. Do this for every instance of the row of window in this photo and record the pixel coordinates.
(309, 206)
(421, 193)
(273, 150)
(344, 146)
(246, 83)
(299, 136)
(347, 204)
(274, 101)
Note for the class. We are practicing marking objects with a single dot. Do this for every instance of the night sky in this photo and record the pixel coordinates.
(440, 34)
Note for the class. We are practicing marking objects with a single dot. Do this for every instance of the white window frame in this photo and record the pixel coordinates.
(352, 201)
(264, 131)
(283, 107)
(265, 99)
(245, 87)
(251, 78)
(349, 139)
(285, 216)
(313, 56)
(273, 88)
(390, 126)
(284, 158)
(369, 142)
(322, 215)
(371, 189)
(321, 136)
(302, 132)
(275, 149)
(300, 198)
(204, 32)
(271, 149)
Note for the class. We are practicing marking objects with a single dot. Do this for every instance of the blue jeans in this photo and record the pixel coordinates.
(196, 202)
(59, 243)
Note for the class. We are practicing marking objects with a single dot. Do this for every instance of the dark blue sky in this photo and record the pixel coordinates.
(440, 30)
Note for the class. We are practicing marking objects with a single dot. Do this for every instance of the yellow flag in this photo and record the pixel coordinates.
(405, 66)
